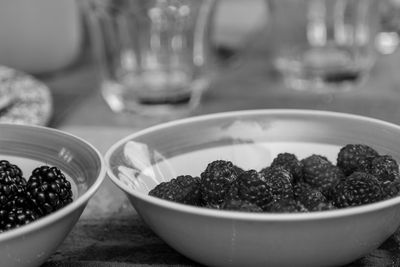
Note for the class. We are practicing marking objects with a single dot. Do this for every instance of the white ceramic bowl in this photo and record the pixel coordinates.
(251, 139)
(30, 147)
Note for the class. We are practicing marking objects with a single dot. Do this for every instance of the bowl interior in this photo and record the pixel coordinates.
(30, 147)
(250, 139)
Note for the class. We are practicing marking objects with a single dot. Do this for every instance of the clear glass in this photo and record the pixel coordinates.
(323, 45)
(154, 55)
(388, 40)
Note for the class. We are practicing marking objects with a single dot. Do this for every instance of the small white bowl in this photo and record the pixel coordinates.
(30, 147)
(251, 139)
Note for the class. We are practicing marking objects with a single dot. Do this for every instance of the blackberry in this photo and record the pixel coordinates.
(250, 186)
(320, 173)
(48, 189)
(385, 168)
(286, 206)
(357, 189)
(355, 157)
(240, 205)
(12, 185)
(311, 198)
(278, 180)
(289, 162)
(182, 189)
(216, 180)
(238, 169)
(16, 217)
(12, 169)
(391, 188)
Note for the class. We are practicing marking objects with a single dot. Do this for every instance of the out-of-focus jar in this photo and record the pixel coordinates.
(39, 36)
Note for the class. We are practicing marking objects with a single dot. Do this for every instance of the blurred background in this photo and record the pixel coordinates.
(49, 39)
(48, 36)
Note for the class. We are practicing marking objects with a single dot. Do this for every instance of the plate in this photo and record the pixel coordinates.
(23, 99)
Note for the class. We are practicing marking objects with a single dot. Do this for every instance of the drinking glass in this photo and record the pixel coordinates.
(323, 45)
(154, 56)
(388, 39)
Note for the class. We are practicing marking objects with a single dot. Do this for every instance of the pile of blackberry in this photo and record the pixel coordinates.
(360, 176)
(25, 200)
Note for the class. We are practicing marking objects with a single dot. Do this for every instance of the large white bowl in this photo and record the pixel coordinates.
(251, 139)
(30, 147)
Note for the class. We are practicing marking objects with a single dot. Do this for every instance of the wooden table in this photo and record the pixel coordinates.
(110, 233)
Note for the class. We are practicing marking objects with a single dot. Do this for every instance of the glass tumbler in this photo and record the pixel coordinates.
(323, 45)
(154, 56)
(388, 40)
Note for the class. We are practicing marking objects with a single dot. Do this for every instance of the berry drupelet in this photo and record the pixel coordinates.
(308, 196)
(289, 162)
(216, 180)
(182, 189)
(16, 217)
(385, 168)
(311, 198)
(278, 180)
(320, 173)
(357, 189)
(48, 189)
(355, 157)
(12, 186)
(251, 187)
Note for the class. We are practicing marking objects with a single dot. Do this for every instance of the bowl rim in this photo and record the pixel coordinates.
(240, 215)
(74, 205)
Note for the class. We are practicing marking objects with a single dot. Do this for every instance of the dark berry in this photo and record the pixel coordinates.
(320, 173)
(240, 205)
(385, 168)
(357, 189)
(289, 162)
(278, 180)
(17, 217)
(310, 197)
(286, 206)
(250, 186)
(12, 170)
(238, 170)
(182, 189)
(216, 180)
(391, 188)
(12, 185)
(355, 157)
(48, 189)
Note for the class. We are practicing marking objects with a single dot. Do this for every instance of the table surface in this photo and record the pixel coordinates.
(109, 232)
